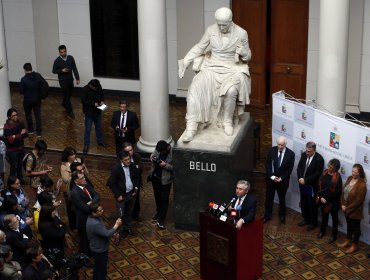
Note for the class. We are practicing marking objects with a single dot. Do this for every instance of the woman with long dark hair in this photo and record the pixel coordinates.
(352, 203)
(52, 230)
(14, 134)
(328, 198)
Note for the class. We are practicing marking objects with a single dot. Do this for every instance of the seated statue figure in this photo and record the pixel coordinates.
(222, 86)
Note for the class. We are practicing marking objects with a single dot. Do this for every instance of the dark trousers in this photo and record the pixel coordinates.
(136, 210)
(325, 217)
(161, 196)
(67, 88)
(84, 246)
(353, 229)
(89, 120)
(270, 194)
(125, 208)
(36, 107)
(308, 207)
(100, 266)
(15, 159)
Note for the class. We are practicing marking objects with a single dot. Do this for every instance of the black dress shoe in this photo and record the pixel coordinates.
(130, 231)
(282, 220)
(71, 115)
(101, 144)
(310, 227)
(266, 220)
(137, 219)
(303, 223)
(332, 239)
(320, 235)
(85, 150)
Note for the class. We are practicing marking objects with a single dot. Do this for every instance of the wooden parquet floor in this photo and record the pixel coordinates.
(290, 252)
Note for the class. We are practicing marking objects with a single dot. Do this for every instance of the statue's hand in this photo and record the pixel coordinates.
(241, 50)
(182, 68)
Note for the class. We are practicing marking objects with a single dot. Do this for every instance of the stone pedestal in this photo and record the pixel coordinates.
(207, 169)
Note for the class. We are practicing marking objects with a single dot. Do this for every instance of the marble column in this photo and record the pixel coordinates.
(5, 103)
(333, 53)
(154, 98)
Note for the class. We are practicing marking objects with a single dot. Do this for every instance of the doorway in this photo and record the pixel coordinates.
(278, 37)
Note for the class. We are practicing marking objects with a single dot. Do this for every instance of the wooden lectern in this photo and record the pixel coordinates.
(229, 253)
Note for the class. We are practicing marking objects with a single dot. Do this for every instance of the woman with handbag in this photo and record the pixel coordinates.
(328, 198)
(352, 204)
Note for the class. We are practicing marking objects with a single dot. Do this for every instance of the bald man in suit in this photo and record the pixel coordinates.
(279, 166)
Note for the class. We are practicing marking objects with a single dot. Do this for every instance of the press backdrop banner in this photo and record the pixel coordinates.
(335, 138)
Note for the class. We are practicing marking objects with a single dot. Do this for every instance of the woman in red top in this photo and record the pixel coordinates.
(14, 133)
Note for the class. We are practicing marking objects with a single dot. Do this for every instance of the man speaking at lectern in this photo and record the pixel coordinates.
(245, 203)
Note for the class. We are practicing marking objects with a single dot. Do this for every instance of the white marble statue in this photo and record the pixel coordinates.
(221, 88)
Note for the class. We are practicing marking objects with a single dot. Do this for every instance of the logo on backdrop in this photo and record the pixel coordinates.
(283, 108)
(334, 140)
(304, 115)
(366, 158)
(342, 171)
(367, 139)
(283, 127)
(303, 134)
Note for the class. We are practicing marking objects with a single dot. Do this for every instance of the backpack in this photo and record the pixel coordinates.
(24, 161)
(43, 87)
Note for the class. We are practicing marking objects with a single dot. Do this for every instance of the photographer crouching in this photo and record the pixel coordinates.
(161, 176)
(99, 236)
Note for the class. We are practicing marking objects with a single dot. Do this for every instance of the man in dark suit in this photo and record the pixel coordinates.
(124, 124)
(82, 195)
(245, 203)
(136, 160)
(309, 169)
(279, 166)
(124, 184)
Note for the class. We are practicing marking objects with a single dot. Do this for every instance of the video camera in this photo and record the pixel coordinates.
(67, 267)
(156, 160)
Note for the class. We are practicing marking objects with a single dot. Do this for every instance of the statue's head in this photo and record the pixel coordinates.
(224, 18)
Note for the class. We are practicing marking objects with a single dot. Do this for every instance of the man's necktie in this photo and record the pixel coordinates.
(87, 192)
(122, 125)
(239, 201)
(307, 164)
(279, 158)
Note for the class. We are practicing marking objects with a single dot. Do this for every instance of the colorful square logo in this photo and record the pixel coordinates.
(334, 140)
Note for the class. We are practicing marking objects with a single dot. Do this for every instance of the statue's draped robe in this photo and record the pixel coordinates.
(221, 69)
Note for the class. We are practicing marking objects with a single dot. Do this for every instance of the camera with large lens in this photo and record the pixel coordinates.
(156, 160)
(67, 267)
